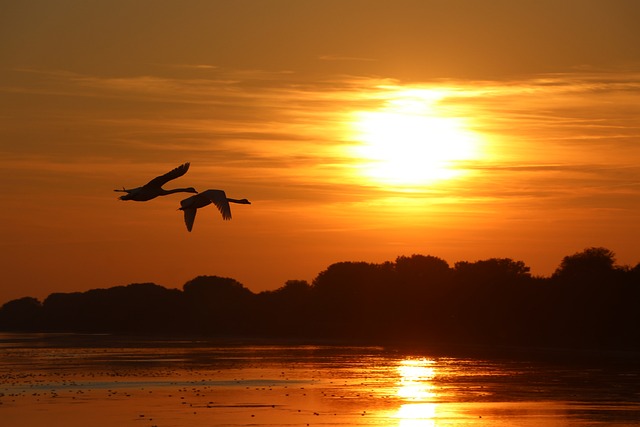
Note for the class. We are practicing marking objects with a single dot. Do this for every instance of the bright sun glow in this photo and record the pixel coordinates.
(410, 141)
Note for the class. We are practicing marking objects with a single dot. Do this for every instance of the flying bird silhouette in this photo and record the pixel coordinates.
(191, 205)
(153, 188)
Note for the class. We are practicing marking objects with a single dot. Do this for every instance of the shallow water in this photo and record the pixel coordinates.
(71, 380)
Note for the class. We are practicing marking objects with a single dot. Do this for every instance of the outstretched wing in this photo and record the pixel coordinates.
(219, 198)
(191, 202)
(189, 217)
(161, 180)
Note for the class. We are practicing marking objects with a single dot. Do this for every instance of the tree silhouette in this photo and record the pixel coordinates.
(589, 301)
(421, 286)
(218, 305)
(136, 308)
(23, 315)
(350, 299)
(587, 267)
(286, 311)
(596, 299)
(489, 296)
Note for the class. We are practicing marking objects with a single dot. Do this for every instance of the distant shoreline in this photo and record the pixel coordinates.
(589, 303)
(562, 356)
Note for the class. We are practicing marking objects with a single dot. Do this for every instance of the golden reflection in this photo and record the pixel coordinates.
(415, 387)
(417, 415)
(412, 140)
(415, 375)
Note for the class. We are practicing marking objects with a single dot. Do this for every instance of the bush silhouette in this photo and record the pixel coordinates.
(589, 301)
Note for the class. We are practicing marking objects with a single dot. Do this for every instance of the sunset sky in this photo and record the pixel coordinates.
(360, 130)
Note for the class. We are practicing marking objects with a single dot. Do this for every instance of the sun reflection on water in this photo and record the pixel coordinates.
(415, 375)
(417, 415)
(415, 387)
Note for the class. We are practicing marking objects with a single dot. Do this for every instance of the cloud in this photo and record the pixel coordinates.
(202, 67)
(344, 58)
(544, 134)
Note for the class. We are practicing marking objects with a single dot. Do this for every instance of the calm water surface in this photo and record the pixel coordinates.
(70, 380)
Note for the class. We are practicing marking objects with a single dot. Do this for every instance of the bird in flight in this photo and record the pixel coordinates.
(153, 188)
(191, 205)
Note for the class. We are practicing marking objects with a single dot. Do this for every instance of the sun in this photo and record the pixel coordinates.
(410, 141)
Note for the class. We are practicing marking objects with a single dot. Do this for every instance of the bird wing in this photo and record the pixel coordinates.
(161, 180)
(189, 217)
(219, 198)
(190, 202)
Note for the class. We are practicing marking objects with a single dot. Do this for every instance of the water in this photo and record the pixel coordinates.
(71, 380)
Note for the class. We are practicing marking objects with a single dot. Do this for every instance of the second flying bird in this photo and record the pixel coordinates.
(191, 205)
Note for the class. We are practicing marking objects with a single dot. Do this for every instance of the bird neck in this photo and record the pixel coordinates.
(240, 201)
(177, 190)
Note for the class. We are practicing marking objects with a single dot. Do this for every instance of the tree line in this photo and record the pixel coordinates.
(588, 302)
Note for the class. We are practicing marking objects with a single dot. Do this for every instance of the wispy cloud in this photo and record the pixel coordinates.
(580, 127)
(329, 57)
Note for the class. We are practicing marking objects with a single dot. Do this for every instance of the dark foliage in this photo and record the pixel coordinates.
(135, 308)
(217, 306)
(24, 314)
(589, 302)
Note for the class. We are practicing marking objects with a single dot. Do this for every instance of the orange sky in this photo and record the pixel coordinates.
(359, 130)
